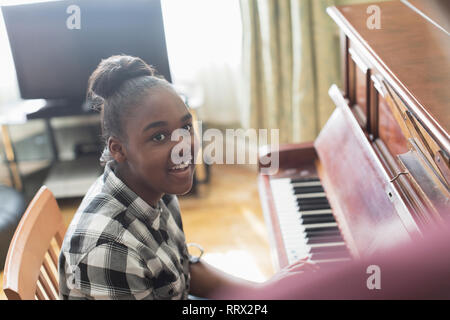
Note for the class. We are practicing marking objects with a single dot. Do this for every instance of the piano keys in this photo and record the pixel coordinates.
(307, 223)
(378, 173)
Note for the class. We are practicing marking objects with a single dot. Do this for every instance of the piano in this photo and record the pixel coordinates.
(378, 173)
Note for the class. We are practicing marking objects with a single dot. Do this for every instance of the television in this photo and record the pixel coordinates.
(57, 45)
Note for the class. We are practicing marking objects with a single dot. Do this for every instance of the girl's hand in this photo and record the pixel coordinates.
(301, 266)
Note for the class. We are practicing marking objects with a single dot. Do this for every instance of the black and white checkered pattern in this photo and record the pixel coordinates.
(119, 247)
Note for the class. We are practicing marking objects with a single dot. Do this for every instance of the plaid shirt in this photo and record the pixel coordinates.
(119, 247)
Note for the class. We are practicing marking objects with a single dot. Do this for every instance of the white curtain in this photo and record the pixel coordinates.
(204, 40)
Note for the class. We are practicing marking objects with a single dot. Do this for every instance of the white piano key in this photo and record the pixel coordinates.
(314, 212)
(310, 195)
(320, 225)
(327, 244)
(306, 184)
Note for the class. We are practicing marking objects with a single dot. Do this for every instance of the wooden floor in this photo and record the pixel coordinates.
(226, 219)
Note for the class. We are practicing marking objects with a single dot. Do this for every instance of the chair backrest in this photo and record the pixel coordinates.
(31, 267)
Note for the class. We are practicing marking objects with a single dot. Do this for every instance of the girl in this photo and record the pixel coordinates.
(126, 240)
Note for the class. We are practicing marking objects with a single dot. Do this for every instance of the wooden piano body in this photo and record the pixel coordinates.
(383, 156)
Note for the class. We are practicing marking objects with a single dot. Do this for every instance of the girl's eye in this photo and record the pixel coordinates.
(188, 127)
(159, 137)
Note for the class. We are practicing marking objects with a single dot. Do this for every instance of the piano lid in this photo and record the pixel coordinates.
(435, 11)
(413, 51)
(368, 208)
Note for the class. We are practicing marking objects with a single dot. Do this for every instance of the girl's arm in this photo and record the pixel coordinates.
(210, 282)
(206, 280)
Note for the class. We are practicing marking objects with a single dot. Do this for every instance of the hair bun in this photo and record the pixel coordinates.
(112, 72)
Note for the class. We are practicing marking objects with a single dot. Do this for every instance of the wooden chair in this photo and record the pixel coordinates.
(31, 267)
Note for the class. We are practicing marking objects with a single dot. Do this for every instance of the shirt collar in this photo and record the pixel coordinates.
(113, 185)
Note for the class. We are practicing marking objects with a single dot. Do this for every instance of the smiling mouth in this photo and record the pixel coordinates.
(181, 170)
(180, 166)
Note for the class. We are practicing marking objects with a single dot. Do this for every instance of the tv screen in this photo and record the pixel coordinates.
(57, 45)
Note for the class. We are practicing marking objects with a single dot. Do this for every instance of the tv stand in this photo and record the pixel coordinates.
(66, 178)
(61, 108)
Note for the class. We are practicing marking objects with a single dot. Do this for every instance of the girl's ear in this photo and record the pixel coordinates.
(116, 149)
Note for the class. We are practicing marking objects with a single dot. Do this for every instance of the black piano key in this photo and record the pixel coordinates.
(313, 206)
(326, 218)
(304, 180)
(323, 229)
(312, 189)
(324, 239)
(311, 233)
(320, 235)
(312, 201)
(319, 218)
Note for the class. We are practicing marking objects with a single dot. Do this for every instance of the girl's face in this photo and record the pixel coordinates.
(148, 167)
